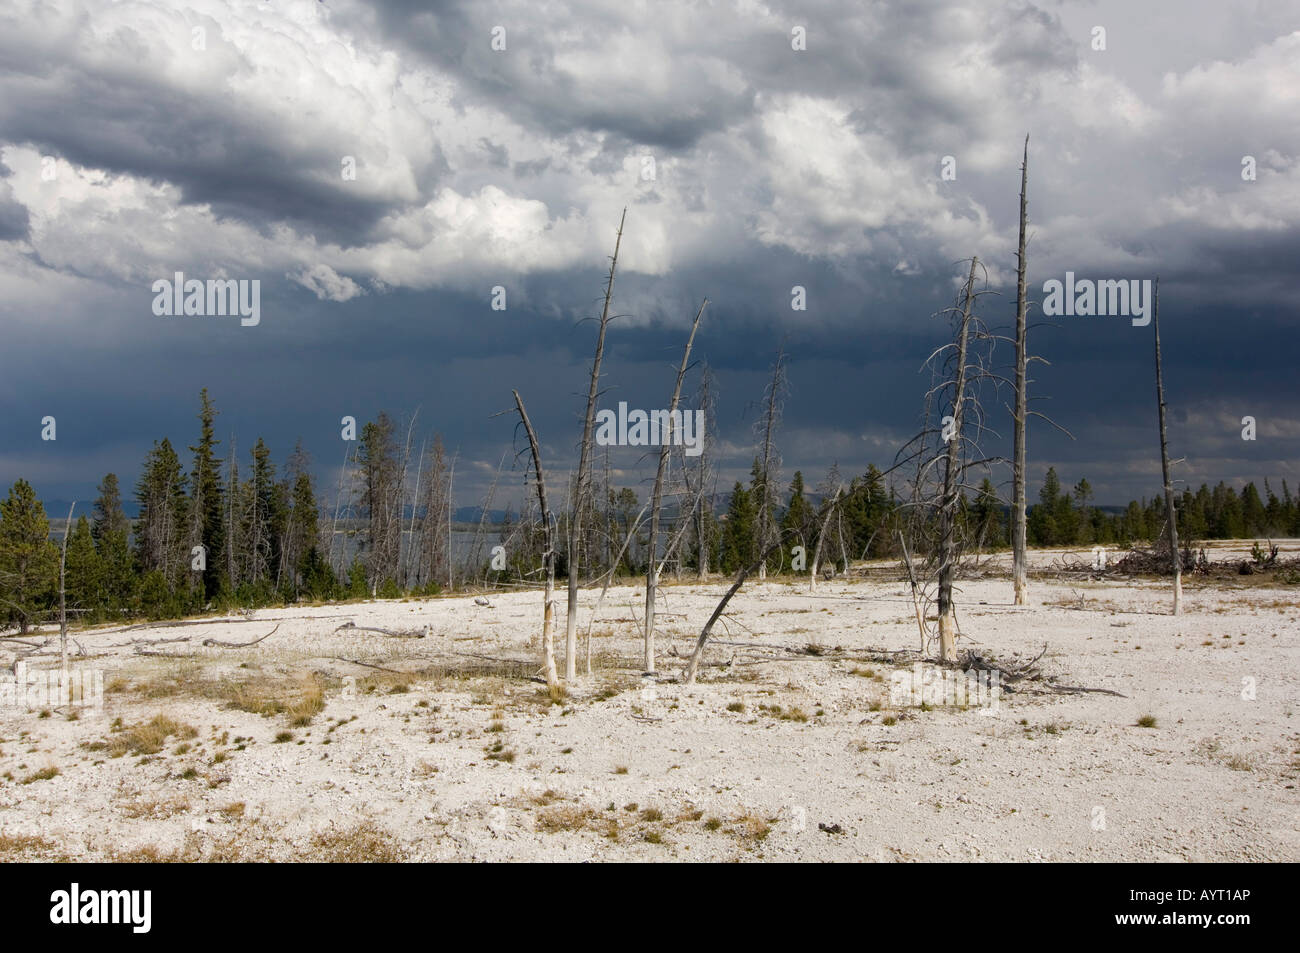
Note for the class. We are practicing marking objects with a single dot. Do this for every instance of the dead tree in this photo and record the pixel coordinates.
(948, 502)
(1170, 513)
(64, 681)
(656, 497)
(583, 478)
(944, 455)
(769, 458)
(703, 508)
(831, 510)
(548, 555)
(1019, 557)
(693, 666)
(430, 547)
(451, 506)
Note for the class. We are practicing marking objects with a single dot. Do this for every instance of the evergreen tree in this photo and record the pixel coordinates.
(864, 512)
(29, 561)
(84, 578)
(739, 542)
(380, 500)
(1253, 516)
(111, 531)
(798, 522)
(1083, 531)
(206, 516)
(1041, 522)
(300, 551)
(159, 541)
(261, 517)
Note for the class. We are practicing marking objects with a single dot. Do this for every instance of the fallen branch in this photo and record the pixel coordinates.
(209, 643)
(340, 658)
(405, 634)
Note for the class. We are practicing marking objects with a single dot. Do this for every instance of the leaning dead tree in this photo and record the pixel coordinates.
(832, 509)
(1170, 513)
(943, 457)
(693, 666)
(548, 554)
(656, 497)
(582, 480)
(1019, 558)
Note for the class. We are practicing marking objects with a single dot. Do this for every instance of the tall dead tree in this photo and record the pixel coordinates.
(548, 555)
(64, 683)
(582, 481)
(702, 512)
(656, 497)
(948, 501)
(451, 508)
(1019, 557)
(431, 545)
(1170, 514)
(944, 455)
(769, 458)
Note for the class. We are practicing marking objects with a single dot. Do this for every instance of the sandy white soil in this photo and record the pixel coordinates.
(397, 764)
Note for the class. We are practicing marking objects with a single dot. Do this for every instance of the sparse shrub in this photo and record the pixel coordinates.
(145, 739)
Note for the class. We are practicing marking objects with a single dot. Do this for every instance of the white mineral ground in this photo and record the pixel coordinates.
(719, 771)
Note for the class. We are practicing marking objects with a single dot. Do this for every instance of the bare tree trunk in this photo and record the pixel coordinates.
(821, 536)
(338, 503)
(656, 499)
(451, 505)
(698, 514)
(584, 471)
(1170, 513)
(1019, 558)
(64, 681)
(916, 601)
(548, 557)
(767, 464)
(948, 502)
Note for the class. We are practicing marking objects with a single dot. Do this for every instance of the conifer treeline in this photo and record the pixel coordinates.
(264, 538)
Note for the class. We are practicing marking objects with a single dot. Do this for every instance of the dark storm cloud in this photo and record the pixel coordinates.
(14, 218)
(775, 169)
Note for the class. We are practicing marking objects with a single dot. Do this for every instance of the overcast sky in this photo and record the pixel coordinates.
(139, 139)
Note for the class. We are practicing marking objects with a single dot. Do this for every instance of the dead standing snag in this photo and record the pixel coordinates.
(548, 555)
